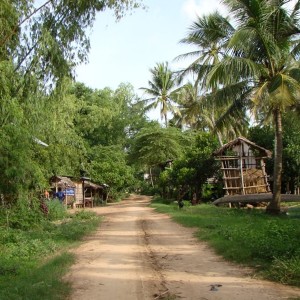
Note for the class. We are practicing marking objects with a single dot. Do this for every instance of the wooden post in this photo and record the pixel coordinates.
(83, 193)
(66, 197)
(241, 170)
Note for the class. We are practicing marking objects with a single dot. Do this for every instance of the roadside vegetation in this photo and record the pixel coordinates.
(34, 249)
(269, 245)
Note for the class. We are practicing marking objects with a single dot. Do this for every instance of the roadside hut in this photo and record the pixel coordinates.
(80, 192)
(243, 167)
(67, 186)
(92, 192)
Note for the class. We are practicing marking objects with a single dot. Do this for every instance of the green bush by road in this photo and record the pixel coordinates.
(34, 254)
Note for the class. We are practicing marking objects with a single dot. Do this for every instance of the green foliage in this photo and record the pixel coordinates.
(28, 267)
(197, 164)
(271, 245)
(108, 165)
(154, 145)
(25, 214)
(56, 210)
(161, 91)
(264, 136)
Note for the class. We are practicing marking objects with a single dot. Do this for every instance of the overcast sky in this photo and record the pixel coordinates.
(124, 51)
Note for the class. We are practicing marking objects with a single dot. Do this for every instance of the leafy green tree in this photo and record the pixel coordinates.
(210, 35)
(154, 146)
(291, 151)
(39, 48)
(261, 67)
(50, 39)
(162, 88)
(264, 136)
(107, 117)
(189, 173)
(107, 164)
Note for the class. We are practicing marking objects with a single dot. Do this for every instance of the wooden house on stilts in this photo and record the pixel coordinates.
(243, 168)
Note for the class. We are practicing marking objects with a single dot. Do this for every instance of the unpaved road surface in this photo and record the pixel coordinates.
(140, 254)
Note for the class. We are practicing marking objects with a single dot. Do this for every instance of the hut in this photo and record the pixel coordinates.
(243, 168)
(92, 192)
(80, 192)
(67, 186)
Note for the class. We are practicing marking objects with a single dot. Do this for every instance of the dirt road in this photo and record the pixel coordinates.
(140, 254)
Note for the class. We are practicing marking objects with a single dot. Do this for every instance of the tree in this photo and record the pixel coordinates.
(210, 35)
(50, 39)
(39, 48)
(291, 152)
(189, 172)
(107, 164)
(162, 88)
(154, 146)
(201, 113)
(262, 61)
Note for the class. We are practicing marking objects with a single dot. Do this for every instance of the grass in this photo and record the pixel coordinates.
(270, 245)
(33, 262)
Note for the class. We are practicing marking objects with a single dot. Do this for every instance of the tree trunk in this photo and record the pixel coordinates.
(219, 135)
(274, 205)
(151, 178)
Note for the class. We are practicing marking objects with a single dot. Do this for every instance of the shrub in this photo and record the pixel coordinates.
(56, 210)
(25, 214)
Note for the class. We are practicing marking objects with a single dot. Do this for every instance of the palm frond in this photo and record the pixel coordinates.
(238, 67)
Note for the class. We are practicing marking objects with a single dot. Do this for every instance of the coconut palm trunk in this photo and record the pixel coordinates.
(274, 206)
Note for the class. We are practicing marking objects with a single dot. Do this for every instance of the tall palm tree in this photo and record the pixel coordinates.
(162, 88)
(210, 35)
(262, 60)
(200, 112)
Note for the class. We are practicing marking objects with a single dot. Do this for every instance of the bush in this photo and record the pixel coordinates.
(28, 267)
(25, 214)
(285, 270)
(56, 210)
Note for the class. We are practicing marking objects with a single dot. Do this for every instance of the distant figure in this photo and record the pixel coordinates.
(180, 203)
(46, 194)
(194, 199)
(60, 195)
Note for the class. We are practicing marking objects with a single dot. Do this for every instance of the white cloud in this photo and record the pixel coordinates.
(193, 8)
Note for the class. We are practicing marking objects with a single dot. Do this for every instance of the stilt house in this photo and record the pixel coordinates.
(243, 167)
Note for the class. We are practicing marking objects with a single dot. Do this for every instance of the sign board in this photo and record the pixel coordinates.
(70, 192)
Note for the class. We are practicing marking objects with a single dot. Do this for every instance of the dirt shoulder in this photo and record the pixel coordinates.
(140, 254)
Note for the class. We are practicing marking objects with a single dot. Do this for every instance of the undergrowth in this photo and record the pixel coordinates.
(34, 246)
(271, 245)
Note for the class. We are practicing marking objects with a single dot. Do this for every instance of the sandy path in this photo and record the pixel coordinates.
(140, 254)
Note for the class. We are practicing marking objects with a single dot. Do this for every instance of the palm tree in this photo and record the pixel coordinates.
(162, 89)
(200, 112)
(262, 61)
(210, 34)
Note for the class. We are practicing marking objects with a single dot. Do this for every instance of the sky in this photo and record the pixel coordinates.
(124, 51)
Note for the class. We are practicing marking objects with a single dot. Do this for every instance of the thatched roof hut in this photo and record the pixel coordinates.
(62, 181)
(243, 167)
(241, 142)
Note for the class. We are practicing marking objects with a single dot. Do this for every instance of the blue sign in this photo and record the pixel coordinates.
(70, 192)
